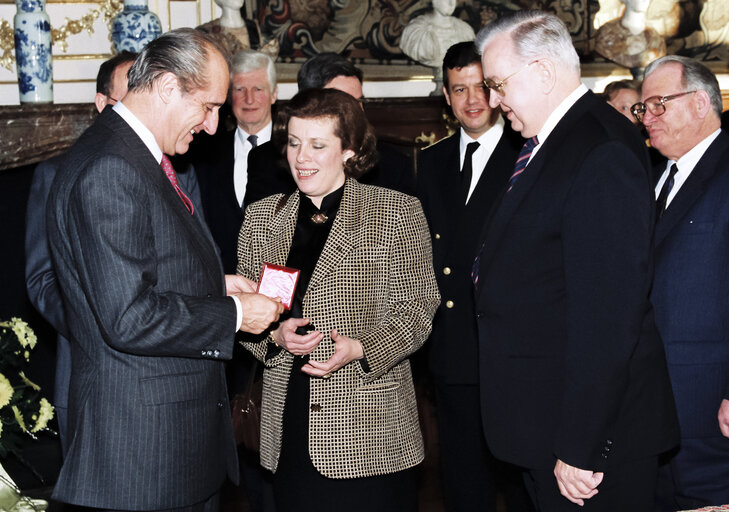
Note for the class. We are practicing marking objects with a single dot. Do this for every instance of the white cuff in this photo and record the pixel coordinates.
(238, 312)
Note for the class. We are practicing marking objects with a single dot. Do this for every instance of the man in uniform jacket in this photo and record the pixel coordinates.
(680, 109)
(145, 297)
(459, 179)
(574, 382)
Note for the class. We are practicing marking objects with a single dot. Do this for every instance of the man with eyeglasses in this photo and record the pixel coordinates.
(574, 385)
(681, 111)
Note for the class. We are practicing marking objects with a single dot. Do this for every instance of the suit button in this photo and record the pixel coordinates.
(447, 271)
(437, 236)
(216, 352)
(609, 442)
(210, 295)
(449, 304)
(220, 405)
(315, 408)
(479, 315)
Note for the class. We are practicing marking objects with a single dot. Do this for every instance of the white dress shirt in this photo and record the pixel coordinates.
(242, 147)
(487, 143)
(148, 139)
(556, 116)
(685, 165)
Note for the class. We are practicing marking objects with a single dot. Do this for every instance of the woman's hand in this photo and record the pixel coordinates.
(345, 350)
(285, 337)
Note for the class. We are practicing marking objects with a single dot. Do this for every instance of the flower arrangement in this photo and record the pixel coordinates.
(23, 411)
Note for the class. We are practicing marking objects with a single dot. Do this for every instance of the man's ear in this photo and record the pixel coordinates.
(446, 96)
(702, 103)
(547, 74)
(274, 95)
(167, 86)
(100, 100)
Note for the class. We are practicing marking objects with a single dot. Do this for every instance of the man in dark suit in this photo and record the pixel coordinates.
(40, 278)
(681, 110)
(145, 297)
(459, 178)
(269, 176)
(574, 382)
(222, 164)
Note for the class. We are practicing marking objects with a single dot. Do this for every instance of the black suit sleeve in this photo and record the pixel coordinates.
(607, 276)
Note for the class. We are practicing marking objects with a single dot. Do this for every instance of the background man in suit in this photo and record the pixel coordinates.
(574, 382)
(681, 110)
(225, 179)
(459, 179)
(144, 295)
(222, 164)
(41, 283)
(328, 70)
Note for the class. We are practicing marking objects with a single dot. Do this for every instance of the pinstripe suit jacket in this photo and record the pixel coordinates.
(143, 292)
(373, 282)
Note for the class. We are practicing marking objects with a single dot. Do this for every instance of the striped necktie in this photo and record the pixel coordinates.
(172, 176)
(521, 162)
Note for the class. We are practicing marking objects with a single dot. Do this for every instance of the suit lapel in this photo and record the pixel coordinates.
(280, 230)
(694, 187)
(140, 155)
(509, 202)
(340, 240)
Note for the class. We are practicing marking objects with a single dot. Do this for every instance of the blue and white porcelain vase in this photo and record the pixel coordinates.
(33, 52)
(134, 27)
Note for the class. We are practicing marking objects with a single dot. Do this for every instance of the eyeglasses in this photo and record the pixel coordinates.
(498, 87)
(656, 105)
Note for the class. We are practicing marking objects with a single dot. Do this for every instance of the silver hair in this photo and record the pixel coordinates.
(534, 34)
(694, 77)
(246, 61)
(183, 52)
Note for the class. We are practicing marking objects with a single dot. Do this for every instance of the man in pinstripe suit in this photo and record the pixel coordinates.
(144, 295)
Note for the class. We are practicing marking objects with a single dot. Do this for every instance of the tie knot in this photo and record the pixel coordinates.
(531, 143)
(673, 171)
(471, 148)
(167, 166)
(253, 139)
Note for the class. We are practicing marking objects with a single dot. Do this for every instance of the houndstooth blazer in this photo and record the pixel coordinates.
(373, 282)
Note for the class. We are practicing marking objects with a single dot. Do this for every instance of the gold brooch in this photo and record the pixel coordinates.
(319, 218)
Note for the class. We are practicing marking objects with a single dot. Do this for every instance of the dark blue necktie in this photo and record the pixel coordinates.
(665, 190)
(521, 162)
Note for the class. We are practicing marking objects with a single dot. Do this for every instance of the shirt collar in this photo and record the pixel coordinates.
(142, 131)
(264, 134)
(492, 134)
(688, 161)
(559, 112)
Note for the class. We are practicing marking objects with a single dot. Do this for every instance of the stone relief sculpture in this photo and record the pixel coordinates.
(711, 41)
(628, 41)
(427, 38)
(232, 33)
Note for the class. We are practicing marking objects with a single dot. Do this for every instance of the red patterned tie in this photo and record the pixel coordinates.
(172, 176)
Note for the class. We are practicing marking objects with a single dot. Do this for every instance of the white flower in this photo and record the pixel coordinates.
(6, 391)
(19, 418)
(44, 416)
(28, 382)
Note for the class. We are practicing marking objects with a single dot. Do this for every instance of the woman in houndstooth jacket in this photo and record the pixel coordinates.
(339, 419)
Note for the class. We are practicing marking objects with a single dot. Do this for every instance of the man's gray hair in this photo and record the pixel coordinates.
(183, 52)
(246, 61)
(534, 34)
(694, 77)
